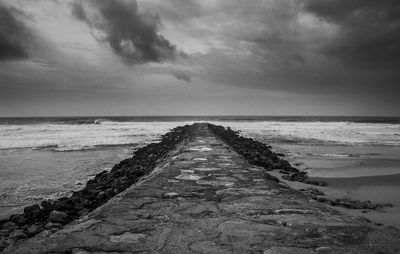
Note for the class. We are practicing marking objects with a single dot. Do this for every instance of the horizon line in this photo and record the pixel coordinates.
(149, 116)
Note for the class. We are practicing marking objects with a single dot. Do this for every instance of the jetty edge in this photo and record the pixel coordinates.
(53, 215)
(206, 198)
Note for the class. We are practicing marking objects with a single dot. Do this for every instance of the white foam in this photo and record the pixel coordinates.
(70, 137)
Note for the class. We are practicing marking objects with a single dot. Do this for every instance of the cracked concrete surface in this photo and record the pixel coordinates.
(208, 199)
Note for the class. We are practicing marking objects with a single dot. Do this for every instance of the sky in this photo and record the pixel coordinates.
(199, 57)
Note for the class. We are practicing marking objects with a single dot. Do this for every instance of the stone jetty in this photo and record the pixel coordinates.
(207, 198)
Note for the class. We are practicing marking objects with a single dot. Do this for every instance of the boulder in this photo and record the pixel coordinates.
(34, 229)
(101, 196)
(47, 205)
(64, 204)
(17, 234)
(33, 212)
(10, 225)
(58, 217)
(3, 243)
(18, 219)
(312, 192)
(271, 177)
(4, 232)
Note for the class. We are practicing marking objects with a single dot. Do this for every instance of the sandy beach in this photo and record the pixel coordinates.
(377, 189)
(357, 172)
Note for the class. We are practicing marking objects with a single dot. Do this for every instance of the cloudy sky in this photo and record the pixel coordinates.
(199, 57)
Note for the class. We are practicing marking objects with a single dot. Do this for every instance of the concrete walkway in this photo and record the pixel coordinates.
(207, 199)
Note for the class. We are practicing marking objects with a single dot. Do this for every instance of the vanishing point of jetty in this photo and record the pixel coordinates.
(199, 190)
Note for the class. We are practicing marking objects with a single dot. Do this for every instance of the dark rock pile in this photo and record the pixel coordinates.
(260, 154)
(300, 176)
(54, 214)
(345, 202)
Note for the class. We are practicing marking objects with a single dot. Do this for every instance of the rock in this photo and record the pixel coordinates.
(109, 193)
(287, 250)
(18, 219)
(17, 234)
(33, 212)
(345, 202)
(321, 199)
(321, 250)
(208, 247)
(34, 229)
(47, 205)
(29, 211)
(64, 204)
(3, 243)
(4, 232)
(53, 230)
(171, 195)
(302, 177)
(51, 225)
(58, 217)
(312, 192)
(79, 251)
(127, 237)
(72, 213)
(10, 225)
(271, 177)
(101, 195)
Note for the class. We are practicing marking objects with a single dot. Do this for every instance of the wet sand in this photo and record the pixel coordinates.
(369, 173)
(377, 189)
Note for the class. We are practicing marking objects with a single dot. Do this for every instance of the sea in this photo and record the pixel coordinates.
(48, 158)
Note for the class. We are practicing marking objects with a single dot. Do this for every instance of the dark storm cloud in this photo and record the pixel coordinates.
(78, 11)
(13, 35)
(278, 49)
(132, 35)
(369, 31)
(182, 76)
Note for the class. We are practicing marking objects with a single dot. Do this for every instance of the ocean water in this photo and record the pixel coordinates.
(43, 158)
(332, 149)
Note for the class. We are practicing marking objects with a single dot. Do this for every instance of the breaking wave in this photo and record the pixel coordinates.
(94, 133)
(74, 137)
